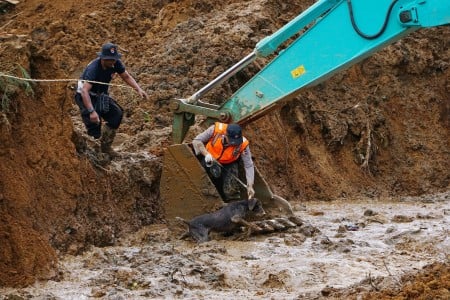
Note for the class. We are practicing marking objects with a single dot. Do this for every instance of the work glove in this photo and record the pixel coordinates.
(250, 192)
(209, 160)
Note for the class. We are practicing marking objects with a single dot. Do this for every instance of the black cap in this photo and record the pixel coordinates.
(234, 133)
(109, 51)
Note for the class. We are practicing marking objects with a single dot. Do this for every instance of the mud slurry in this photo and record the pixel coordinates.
(343, 249)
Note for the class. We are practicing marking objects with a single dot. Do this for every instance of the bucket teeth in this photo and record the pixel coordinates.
(296, 220)
(256, 228)
(265, 227)
(286, 222)
(276, 225)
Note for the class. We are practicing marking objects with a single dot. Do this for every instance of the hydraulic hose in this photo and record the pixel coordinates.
(383, 28)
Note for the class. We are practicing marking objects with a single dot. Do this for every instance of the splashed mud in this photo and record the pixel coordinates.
(340, 244)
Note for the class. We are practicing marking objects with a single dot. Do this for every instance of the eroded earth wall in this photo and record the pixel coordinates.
(51, 198)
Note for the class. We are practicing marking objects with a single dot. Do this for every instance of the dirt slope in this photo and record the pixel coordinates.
(54, 198)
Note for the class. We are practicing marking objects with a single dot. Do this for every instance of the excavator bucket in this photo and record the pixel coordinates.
(187, 191)
(185, 188)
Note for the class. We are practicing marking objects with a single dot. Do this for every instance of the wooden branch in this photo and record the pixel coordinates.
(365, 164)
(390, 274)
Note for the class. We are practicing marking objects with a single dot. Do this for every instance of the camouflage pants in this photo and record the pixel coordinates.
(226, 184)
(230, 187)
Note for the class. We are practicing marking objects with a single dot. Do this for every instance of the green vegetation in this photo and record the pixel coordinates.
(9, 87)
(147, 116)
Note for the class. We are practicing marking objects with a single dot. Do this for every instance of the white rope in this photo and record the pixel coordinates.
(60, 80)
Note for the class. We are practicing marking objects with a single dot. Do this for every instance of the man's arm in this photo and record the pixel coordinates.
(87, 102)
(249, 171)
(131, 82)
(200, 140)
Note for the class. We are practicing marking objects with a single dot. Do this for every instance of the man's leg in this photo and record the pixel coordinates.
(217, 181)
(230, 186)
(113, 119)
(225, 184)
(108, 135)
(93, 129)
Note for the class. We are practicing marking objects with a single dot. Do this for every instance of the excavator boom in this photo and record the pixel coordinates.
(339, 33)
(332, 35)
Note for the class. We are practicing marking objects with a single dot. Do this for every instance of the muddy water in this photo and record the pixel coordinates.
(341, 243)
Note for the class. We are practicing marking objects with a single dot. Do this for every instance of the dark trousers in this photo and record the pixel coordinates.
(113, 117)
(225, 183)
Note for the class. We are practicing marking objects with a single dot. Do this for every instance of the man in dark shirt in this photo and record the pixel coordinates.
(93, 100)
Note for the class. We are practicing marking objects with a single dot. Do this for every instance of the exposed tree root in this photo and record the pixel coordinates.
(367, 156)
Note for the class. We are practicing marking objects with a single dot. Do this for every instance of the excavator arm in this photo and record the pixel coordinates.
(337, 34)
(328, 37)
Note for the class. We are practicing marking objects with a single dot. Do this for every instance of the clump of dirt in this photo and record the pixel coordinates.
(429, 283)
(379, 129)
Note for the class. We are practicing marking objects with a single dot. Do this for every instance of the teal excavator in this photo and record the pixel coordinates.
(328, 37)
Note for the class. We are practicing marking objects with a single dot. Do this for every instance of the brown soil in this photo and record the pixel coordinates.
(55, 199)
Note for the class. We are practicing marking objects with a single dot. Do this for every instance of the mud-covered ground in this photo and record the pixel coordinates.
(374, 137)
(343, 249)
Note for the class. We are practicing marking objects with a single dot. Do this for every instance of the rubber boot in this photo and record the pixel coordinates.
(106, 140)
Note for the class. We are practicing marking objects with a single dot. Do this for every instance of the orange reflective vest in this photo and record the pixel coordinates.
(224, 155)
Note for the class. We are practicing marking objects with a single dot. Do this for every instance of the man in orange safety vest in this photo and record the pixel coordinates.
(220, 148)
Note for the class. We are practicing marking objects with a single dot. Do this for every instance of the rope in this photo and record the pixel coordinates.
(60, 80)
